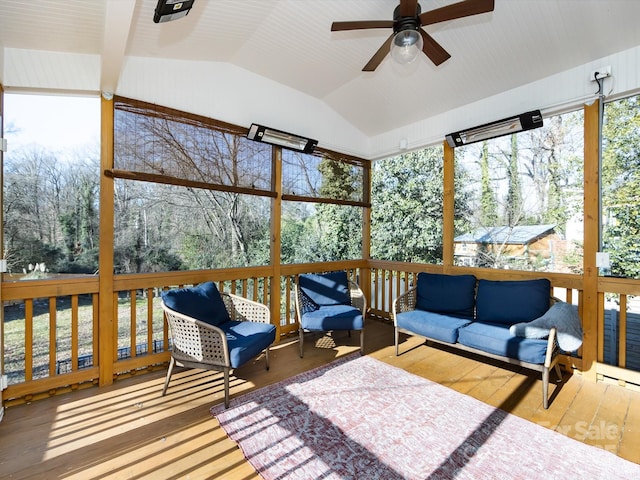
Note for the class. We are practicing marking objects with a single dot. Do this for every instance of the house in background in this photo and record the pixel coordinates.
(518, 247)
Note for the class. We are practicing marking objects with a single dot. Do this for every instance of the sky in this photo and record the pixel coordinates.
(56, 123)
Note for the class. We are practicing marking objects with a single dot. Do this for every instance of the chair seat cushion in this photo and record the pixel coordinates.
(496, 339)
(247, 339)
(202, 302)
(333, 317)
(433, 325)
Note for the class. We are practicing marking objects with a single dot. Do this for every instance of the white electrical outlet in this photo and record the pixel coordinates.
(600, 73)
(602, 260)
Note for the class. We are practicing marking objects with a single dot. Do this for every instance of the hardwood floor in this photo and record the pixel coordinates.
(128, 430)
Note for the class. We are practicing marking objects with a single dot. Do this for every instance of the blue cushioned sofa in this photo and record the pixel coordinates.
(475, 316)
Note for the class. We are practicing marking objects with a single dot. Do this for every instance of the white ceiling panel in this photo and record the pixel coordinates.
(289, 42)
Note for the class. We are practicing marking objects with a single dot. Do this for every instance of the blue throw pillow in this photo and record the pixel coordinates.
(326, 289)
(446, 294)
(512, 301)
(203, 303)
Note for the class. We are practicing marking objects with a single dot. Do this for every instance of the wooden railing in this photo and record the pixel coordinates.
(59, 327)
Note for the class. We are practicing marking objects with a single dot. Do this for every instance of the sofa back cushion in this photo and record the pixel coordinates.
(512, 301)
(327, 288)
(446, 294)
(202, 302)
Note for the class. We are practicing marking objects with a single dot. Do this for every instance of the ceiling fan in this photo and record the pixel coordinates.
(408, 38)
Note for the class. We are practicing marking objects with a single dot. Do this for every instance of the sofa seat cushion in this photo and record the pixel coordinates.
(333, 317)
(512, 301)
(433, 325)
(496, 339)
(247, 339)
(447, 294)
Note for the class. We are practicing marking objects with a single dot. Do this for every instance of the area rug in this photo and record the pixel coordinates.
(360, 418)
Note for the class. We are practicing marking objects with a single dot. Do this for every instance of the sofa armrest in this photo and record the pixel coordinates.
(552, 347)
(405, 302)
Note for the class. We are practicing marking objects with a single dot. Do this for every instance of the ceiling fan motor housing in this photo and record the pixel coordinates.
(401, 23)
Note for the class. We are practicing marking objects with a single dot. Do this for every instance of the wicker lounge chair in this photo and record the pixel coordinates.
(215, 331)
(329, 302)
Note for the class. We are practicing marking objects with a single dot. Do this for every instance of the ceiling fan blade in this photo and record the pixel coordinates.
(361, 25)
(379, 55)
(456, 10)
(408, 8)
(433, 49)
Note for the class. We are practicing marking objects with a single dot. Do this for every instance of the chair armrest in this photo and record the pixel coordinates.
(405, 302)
(358, 299)
(552, 347)
(243, 309)
(196, 341)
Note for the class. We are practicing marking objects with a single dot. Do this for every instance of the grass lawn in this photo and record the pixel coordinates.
(14, 333)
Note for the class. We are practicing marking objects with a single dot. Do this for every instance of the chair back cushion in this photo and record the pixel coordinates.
(512, 301)
(446, 294)
(202, 302)
(326, 289)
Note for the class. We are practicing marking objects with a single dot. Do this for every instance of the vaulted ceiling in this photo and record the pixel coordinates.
(277, 61)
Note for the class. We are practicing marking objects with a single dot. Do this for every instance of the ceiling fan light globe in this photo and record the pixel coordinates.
(406, 46)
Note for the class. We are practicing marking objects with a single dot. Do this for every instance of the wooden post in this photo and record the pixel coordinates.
(448, 207)
(106, 322)
(276, 220)
(365, 272)
(1, 244)
(591, 238)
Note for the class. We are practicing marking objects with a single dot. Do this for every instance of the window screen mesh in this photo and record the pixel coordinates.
(322, 176)
(157, 140)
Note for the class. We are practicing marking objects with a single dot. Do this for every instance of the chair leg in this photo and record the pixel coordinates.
(267, 357)
(545, 388)
(169, 372)
(301, 342)
(397, 340)
(558, 372)
(226, 387)
(362, 342)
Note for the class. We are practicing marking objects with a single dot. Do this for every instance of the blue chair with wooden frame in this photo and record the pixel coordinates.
(329, 302)
(215, 331)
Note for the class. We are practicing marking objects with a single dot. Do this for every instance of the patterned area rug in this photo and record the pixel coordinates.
(359, 418)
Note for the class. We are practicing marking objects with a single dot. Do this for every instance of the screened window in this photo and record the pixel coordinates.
(203, 201)
(407, 218)
(522, 206)
(323, 198)
(325, 176)
(167, 143)
(51, 185)
(620, 186)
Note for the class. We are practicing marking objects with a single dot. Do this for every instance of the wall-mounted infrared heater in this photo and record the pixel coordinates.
(519, 123)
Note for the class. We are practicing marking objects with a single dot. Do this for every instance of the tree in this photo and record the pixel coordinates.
(407, 193)
(488, 201)
(513, 205)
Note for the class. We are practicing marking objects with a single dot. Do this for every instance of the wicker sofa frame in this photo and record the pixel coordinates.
(407, 302)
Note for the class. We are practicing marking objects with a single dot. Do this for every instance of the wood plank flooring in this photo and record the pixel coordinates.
(128, 430)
